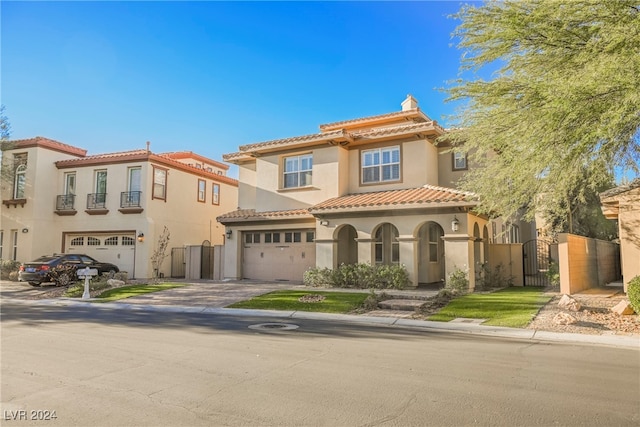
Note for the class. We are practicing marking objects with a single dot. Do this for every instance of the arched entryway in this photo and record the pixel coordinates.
(430, 253)
(386, 247)
(347, 245)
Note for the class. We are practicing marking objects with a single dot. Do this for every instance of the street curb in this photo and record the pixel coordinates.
(624, 341)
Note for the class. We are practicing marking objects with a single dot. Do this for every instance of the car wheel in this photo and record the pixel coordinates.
(35, 284)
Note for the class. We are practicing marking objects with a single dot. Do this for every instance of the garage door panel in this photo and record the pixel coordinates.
(277, 262)
(118, 249)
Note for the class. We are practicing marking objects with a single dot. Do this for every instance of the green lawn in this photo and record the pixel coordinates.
(135, 290)
(334, 302)
(513, 307)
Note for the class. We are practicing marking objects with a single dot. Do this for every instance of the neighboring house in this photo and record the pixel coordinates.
(623, 205)
(114, 206)
(374, 189)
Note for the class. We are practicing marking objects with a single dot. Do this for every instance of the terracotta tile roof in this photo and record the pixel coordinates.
(131, 155)
(52, 144)
(397, 130)
(424, 196)
(251, 215)
(303, 138)
(191, 155)
(413, 113)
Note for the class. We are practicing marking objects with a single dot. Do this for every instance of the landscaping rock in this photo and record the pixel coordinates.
(623, 308)
(115, 283)
(569, 303)
(564, 319)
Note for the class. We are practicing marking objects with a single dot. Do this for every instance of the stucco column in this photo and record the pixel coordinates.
(232, 255)
(326, 253)
(409, 257)
(458, 254)
(365, 251)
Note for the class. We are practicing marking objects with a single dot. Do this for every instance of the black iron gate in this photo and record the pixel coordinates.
(206, 266)
(177, 263)
(536, 257)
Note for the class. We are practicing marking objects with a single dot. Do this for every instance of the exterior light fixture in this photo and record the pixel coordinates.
(228, 234)
(324, 222)
(141, 237)
(455, 224)
(25, 230)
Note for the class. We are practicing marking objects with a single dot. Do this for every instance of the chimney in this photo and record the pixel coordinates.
(148, 144)
(409, 104)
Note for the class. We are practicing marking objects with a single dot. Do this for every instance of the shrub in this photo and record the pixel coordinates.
(458, 281)
(64, 275)
(633, 292)
(554, 275)
(492, 279)
(359, 276)
(7, 267)
(77, 289)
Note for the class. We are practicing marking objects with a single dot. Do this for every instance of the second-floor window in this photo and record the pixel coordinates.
(159, 184)
(215, 194)
(202, 190)
(70, 183)
(459, 161)
(381, 165)
(297, 171)
(101, 186)
(20, 182)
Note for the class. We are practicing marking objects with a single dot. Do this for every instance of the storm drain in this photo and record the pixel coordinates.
(274, 326)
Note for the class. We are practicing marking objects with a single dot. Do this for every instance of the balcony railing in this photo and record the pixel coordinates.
(65, 202)
(130, 199)
(96, 201)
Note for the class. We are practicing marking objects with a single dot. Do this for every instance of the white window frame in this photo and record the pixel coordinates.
(215, 194)
(14, 243)
(202, 190)
(20, 182)
(373, 161)
(1, 242)
(70, 183)
(159, 190)
(299, 169)
(459, 161)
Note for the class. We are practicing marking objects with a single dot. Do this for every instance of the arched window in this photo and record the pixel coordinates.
(77, 241)
(92, 241)
(128, 241)
(20, 182)
(111, 241)
(387, 247)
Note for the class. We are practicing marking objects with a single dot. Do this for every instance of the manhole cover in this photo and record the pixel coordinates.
(274, 326)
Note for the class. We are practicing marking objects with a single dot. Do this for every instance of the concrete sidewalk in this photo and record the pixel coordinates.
(211, 298)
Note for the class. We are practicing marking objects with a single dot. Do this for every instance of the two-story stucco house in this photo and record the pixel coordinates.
(114, 206)
(373, 189)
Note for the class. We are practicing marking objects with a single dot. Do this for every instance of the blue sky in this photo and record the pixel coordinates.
(210, 76)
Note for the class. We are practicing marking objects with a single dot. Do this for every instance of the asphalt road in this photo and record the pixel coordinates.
(96, 366)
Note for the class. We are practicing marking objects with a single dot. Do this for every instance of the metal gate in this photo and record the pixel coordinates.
(177, 263)
(536, 257)
(206, 263)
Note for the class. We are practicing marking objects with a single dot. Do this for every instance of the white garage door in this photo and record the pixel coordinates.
(116, 248)
(276, 256)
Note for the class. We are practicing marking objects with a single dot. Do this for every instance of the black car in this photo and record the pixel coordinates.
(43, 269)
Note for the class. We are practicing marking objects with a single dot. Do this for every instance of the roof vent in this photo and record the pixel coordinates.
(410, 103)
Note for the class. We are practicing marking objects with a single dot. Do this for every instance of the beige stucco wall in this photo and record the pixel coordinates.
(629, 232)
(585, 263)
(510, 257)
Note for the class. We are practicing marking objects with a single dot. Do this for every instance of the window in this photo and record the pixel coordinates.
(387, 247)
(252, 238)
(297, 171)
(14, 241)
(111, 241)
(92, 241)
(215, 194)
(311, 236)
(272, 237)
(459, 161)
(20, 182)
(70, 183)
(128, 241)
(202, 188)
(434, 237)
(514, 233)
(77, 241)
(101, 186)
(1, 242)
(159, 184)
(293, 237)
(381, 165)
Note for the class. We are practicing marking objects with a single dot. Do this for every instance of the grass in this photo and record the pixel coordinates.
(513, 307)
(135, 290)
(334, 302)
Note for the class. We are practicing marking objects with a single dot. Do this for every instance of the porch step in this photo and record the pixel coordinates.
(401, 304)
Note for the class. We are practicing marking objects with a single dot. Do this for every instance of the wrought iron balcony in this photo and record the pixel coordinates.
(65, 202)
(130, 199)
(96, 201)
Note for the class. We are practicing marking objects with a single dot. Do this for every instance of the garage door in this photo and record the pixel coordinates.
(116, 248)
(278, 256)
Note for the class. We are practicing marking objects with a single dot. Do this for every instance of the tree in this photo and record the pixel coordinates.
(5, 126)
(160, 253)
(563, 104)
(6, 170)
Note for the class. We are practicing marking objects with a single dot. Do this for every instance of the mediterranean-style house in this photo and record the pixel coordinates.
(113, 206)
(376, 189)
(623, 205)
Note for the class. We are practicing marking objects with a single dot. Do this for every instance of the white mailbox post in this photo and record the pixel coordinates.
(86, 274)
